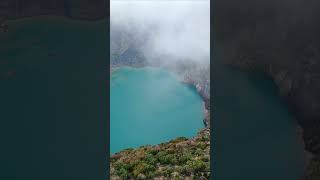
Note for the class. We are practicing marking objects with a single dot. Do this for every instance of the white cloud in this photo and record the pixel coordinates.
(176, 29)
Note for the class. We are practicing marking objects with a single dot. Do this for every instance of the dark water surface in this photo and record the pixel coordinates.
(256, 136)
(53, 99)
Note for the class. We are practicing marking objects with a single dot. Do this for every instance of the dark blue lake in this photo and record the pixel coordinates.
(255, 134)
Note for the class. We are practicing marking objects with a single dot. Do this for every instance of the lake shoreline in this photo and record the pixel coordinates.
(199, 89)
(175, 167)
(307, 156)
(197, 118)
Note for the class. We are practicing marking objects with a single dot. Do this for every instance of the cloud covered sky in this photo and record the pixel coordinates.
(179, 29)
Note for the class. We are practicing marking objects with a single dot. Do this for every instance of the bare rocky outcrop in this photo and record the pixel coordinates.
(203, 89)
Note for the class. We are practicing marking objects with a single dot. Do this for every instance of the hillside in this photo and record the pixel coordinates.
(180, 158)
(281, 39)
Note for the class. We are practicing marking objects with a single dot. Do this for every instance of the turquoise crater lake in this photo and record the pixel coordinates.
(149, 106)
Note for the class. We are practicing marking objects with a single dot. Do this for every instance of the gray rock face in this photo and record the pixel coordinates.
(79, 9)
(281, 38)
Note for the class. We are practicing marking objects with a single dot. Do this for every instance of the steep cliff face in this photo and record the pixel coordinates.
(79, 9)
(282, 39)
(125, 48)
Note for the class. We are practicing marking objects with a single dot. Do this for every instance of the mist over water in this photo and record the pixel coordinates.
(141, 113)
(157, 106)
(171, 30)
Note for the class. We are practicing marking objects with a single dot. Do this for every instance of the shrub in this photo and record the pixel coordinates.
(198, 152)
(167, 159)
(197, 165)
(205, 138)
(171, 151)
(152, 151)
(167, 172)
(201, 145)
(174, 161)
(205, 158)
(186, 170)
(123, 173)
(118, 165)
(143, 168)
(150, 159)
(184, 158)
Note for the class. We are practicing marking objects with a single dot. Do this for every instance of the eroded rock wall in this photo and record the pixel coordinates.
(281, 38)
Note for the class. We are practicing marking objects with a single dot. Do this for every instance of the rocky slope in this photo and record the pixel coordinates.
(180, 158)
(282, 39)
(125, 48)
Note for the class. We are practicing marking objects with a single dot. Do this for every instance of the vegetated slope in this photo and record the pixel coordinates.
(180, 158)
(282, 39)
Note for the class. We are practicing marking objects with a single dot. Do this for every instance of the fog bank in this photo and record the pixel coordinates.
(171, 30)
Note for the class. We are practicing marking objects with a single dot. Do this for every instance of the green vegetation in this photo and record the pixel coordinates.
(180, 158)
